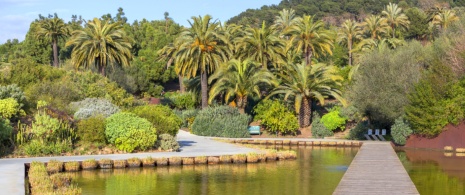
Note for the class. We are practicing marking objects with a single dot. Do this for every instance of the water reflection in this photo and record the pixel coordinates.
(316, 171)
(434, 172)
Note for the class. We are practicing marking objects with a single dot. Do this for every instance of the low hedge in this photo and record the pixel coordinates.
(222, 121)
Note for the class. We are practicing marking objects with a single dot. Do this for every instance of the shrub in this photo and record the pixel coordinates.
(188, 117)
(44, 126)
(92, 107)
(37, 148)
(333, 120)
(162, 118)
(222, 121)
(319, 130)
(5, 129)
(350, 113)
(10, 108)
(57, 93)
(129, 132)
(358, 132)
(181, 100)
(167, 142)
(400, 131)
(13, 91)
(92, 130)
(276, 117)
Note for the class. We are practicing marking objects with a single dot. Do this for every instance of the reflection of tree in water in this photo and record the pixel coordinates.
(309, 174)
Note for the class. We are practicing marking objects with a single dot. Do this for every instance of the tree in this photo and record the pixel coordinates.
(444, 19)
(284, 20)
(169, 52)
(350, 32)
(202, 52)
(240, 79)
(395, 17)
(102, 44)
(54, 28)
(311, 38)
(261, 44)
(376, 26)
(305, 83)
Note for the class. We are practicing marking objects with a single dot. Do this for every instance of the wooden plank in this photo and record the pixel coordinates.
(376, 169)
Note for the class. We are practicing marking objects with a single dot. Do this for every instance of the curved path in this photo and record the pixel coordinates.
(12, 172)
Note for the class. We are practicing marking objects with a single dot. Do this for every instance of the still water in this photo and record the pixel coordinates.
(317, 170)
(434, 172)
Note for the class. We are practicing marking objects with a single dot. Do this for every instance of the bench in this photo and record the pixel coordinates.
(254, 130)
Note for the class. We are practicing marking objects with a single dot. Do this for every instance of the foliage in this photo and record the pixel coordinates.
(358, 132)
(276, 117)
(5, 129)
(57, 93)
(188, 117)
(162, 118)
(92, 129)
(48, 129)
(92, 107)
(36, 148)
(333, 120)
(13, 91)
(400, 131)
(181, 101)
(10, 108)
(129, 132)
(319, 130)
(350, 113)
(167, 142)
(383, 81)
(221, 121)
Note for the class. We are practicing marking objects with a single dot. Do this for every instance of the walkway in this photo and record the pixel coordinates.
(12, 170)
(376, 169)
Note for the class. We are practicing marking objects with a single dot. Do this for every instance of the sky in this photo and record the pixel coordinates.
(16, 15)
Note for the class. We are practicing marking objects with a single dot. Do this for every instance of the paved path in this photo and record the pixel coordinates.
(12, 170)
(376, 169)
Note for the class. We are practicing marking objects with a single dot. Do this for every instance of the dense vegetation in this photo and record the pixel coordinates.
(381, 64)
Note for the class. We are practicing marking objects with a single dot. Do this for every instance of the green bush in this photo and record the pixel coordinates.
(167, 142)
(333, 120)
(181, 100)
(13, 91)
(276, 117)
(37, 148)
(188, 118)
(10, 108)
(5, 129)
(400, 131)
(222, 121)
(162, 118)
(44, 127)
(129, 132)
(92, 130)
(319, 130)
(93, 107)
(358, 132)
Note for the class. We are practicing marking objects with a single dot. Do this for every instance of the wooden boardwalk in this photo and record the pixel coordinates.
(376, 169)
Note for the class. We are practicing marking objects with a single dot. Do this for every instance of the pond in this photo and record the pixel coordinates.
(434, 172)
(317, 170)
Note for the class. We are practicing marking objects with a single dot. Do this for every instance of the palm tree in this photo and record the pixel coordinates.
(311, 38)
(202, 52)
(261, 44)
(168, 53)
(54, 28)
(305, 83)
(350, 32)
(100, 44)
(444, 19)
(395, 17)
(284, 20)
(240, 79)
(376, 26)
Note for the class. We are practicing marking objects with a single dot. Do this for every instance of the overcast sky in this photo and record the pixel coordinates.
(16, 15)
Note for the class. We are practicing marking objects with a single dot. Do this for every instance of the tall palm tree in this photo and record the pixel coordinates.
(349, 32)
(202, 52)
(100, 44)
(395, 17)
(240, 79)
(284, 20)
(376, 26)
(261, 44)
(311, 38)
(305, 83)
(55, 28)
(444, 18)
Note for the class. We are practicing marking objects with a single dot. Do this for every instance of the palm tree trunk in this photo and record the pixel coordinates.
(101, 68)
(350, 52)
(55, 52)
(204, 89)
(393, 31)
(182, 88)
(241, 103)
(305, 112)
(308, 57)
